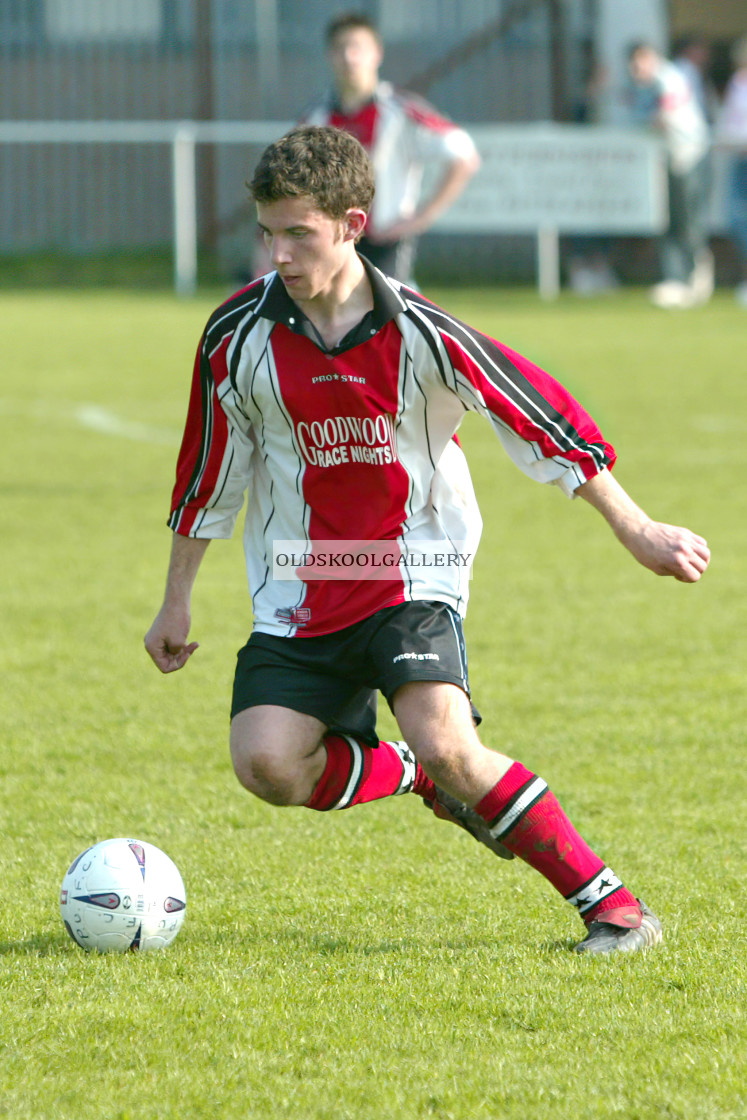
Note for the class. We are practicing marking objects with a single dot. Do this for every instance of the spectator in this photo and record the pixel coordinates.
(402, 134)
(732, 133)
(692, 55)
(665, 101)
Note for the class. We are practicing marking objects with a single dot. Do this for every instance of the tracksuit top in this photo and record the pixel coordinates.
(358, 443)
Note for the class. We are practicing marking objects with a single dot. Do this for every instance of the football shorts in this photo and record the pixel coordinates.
(335, 677)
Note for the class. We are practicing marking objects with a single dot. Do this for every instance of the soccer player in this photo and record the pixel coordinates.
(402, 133)
(332, 394)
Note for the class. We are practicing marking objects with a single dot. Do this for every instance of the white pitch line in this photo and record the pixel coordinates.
(717, 425)
(108, 423)
(92, 416)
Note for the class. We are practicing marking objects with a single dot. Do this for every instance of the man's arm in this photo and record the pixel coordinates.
(458, 173)
(166, 641)
(666, 549)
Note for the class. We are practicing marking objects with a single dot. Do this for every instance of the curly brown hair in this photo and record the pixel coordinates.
(325, 164)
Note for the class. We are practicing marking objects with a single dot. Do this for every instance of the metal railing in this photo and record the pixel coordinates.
(182, 137)
(536, 179)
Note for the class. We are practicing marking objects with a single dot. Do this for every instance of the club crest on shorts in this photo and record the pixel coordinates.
(294, 616)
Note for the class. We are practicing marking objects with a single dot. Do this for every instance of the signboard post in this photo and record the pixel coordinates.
(548, 262)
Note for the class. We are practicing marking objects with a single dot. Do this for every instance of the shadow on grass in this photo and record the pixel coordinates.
(38, 945)
(329, 945)
(292, 938)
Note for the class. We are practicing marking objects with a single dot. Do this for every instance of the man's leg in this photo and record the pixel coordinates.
(519, 811)
(277, 753)
(303, 733)
(677, 259)
(436, 720)
(289, 758)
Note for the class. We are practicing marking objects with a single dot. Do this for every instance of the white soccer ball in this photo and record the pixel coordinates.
(122, 894)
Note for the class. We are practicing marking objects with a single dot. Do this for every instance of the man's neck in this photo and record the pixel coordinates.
(336, 311)
(353, 98)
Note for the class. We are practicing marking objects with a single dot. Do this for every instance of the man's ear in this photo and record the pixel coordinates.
(354, 224)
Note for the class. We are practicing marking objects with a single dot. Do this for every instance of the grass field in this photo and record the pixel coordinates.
(374, 965)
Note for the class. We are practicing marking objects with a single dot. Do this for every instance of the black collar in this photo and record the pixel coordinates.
(278, 306)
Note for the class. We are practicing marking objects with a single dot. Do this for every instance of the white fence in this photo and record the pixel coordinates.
(182, 138)
(541, 179)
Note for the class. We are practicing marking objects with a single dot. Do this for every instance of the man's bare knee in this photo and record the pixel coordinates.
(277, 754)
(264, 776)
(436, 720)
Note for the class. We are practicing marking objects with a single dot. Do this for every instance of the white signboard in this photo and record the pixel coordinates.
(77, 21)
(568, 178)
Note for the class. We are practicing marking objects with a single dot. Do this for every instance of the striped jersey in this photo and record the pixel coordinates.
(357, 443)
(402, 134)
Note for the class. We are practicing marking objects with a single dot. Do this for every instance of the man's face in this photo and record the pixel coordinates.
(643, 66)
(306, 247)
(355, 57)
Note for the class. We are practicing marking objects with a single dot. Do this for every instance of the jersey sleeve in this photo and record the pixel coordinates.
(214, 465)
(434, 137)
(544, 430)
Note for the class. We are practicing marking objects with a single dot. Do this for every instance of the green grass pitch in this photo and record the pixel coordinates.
(375, 964)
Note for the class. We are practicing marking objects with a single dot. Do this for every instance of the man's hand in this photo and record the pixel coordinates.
(667, 550)
(457, 174)
(166, 641)
(397, 231)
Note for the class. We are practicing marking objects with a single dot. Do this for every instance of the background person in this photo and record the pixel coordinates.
(732, 134)
(402, 133)
(693, 56)
(665, 101)
(295, 378)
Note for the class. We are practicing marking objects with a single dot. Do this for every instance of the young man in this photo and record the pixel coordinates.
(332, 394)
(402, 134)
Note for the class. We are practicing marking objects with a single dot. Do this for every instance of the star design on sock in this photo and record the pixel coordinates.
(604, 883)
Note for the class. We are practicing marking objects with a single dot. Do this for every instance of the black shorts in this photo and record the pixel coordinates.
(335, 677)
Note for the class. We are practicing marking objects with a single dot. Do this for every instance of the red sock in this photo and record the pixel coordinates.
(423, 786)
(356, 773)
(525, 815)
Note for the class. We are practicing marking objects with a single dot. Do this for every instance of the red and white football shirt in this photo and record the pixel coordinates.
(357, 443)
(402, 134)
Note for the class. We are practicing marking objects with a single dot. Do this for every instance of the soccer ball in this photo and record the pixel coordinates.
(122, 894)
